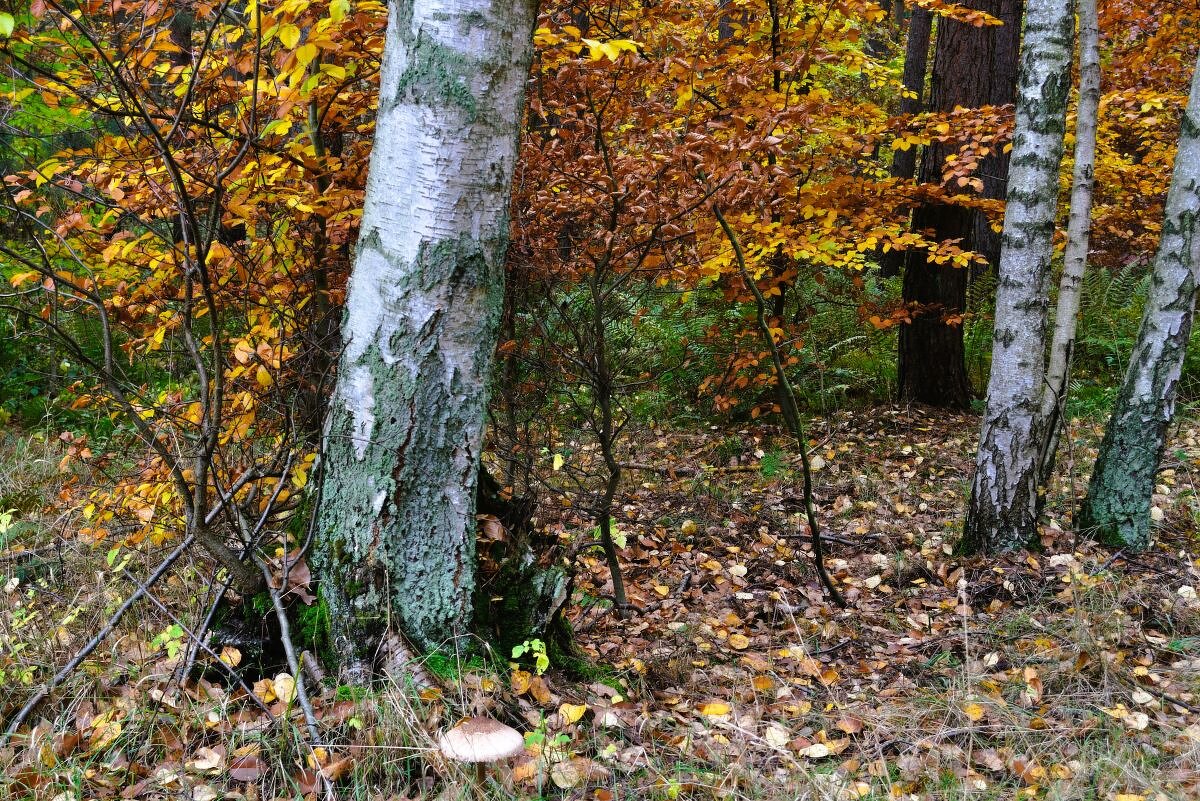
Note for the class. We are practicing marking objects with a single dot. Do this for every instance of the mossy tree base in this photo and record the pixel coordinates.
(521, 585)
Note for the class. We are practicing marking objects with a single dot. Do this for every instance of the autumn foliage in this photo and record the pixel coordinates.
(182, 187)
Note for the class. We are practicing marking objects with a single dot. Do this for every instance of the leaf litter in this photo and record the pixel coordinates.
(1071, 672)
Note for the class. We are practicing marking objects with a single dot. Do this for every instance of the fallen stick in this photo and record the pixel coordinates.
(28, 553)
(191, 635)
(689, 472)
(92, 644)
(293, 660)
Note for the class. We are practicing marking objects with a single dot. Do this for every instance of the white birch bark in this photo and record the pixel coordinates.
(1079, 226)
(404, 429)
(1117, 507)
(1003, 510)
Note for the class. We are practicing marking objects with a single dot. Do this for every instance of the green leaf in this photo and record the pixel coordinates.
(7, 23)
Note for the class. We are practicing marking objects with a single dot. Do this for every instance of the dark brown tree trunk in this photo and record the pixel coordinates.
(972, 67)
(916, 64)
(932, 366)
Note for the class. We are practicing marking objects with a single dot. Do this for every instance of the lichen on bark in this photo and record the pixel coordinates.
(1116, 510)
(404, 431)
(1002, 514)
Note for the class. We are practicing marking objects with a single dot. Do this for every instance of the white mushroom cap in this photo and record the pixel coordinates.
(481, 740)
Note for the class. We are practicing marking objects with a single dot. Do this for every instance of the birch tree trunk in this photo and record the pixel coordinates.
(1117, 507)
(1003, 510)
(1079, 226)
(404, 430)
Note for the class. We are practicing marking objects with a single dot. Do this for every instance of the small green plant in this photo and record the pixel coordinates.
(170, 638)
(771, 464)
(537, 649)
(539, 737)
(618, 536)
(348, 692)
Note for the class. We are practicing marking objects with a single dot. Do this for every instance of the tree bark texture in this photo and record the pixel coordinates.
(1117, 507)
(1004, 506)
(972, 67)
(916, 64)
(1079, 225)
(405, 424)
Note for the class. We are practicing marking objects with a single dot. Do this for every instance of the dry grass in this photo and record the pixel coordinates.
(1051, 679)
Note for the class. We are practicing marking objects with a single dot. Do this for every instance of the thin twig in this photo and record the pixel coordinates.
(791, 409)
(202, 631)
(28, 553)
(289, 650)
(92, 644)
(689, 472)
(202, 645)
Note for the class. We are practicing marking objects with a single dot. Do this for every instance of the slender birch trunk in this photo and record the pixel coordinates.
(1079, 226)
(1117, 507)
(404, 430)
(1003, 508)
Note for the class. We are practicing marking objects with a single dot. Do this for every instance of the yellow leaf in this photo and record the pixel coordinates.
(306, 53)
(521, 681)
(565, 775)
(265, 690)
(571, 713)
(715, 709)
(263, 377)
(974, 711)
(242, 351)
(289, 36)
(104, 730)
(558, 462)
(662, 589)
(338, 9)
(856, 790)
(739, 642)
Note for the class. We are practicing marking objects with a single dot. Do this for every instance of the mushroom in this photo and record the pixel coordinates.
(481, 740)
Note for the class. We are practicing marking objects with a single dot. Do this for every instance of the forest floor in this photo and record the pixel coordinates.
(1069, 673)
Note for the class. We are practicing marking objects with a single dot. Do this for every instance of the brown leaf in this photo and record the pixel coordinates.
(247, 768)
(849, 725)
(307, 780)
(338, 768)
